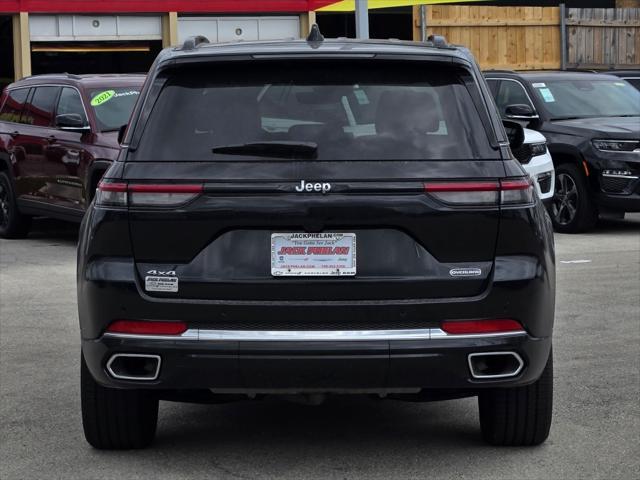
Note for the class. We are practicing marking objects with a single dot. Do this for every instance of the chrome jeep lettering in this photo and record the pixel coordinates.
(323, 187)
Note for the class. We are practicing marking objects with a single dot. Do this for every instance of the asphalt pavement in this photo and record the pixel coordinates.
(595, 432)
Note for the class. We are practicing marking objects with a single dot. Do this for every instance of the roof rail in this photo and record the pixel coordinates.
(193, 42)
(61, 74)
(438, 41)
(583, 70)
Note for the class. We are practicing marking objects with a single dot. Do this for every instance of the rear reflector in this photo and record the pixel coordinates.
(516, 191)
(146, 195)
(468, 327)
(143, 327)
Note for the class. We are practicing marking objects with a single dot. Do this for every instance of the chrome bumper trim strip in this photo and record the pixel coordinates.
(310, 335)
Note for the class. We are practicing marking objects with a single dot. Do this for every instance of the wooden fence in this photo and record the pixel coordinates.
(538, 38)
(603, 37)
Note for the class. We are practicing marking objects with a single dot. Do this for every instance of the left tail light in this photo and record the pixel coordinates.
(111, 194)
(146, 195)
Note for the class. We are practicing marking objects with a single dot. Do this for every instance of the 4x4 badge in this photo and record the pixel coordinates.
(158, 272)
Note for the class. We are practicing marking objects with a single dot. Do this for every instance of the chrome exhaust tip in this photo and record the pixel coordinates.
(134, 366)
(487, 365)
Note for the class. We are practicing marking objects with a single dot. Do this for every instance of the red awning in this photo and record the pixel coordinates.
(152, 6)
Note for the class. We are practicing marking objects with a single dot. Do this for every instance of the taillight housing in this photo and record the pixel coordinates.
(146, 195)
(508, 192)
(465, 193)
(111, 194)
(517, 191)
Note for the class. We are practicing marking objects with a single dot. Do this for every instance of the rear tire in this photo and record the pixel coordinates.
(115, 419)
(12, 223)
(572, 208)
(519, 416)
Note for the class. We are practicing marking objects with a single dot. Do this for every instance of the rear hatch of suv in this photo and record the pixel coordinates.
(314, 179)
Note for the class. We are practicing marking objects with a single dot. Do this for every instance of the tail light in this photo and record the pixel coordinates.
(147, 327)
(517, 191)
(510, 192)
(112, 194)
(465, 193)
(146, 195)
(162, 195)
(470, 327)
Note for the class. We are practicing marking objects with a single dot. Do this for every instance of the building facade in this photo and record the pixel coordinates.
(81, 36)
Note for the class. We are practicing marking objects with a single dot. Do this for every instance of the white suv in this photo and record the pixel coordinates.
(536, 160)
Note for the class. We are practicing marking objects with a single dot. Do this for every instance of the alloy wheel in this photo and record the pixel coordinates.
(565, 200)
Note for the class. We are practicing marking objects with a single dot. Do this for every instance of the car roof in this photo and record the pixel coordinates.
(83, 80)
(313, 48)
(550, 75)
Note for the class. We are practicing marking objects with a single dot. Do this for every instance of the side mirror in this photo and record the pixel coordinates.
(121, 130)
(515, 134)
(71, 121)
(520, 111)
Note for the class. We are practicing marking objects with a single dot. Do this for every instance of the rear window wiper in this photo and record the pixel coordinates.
(277, 149)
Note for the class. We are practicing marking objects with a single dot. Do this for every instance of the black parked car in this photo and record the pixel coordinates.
(58, 135)
(326, 217)
(592, 125)
(631, 76)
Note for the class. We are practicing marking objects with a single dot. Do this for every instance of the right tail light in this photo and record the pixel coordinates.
(508, 192)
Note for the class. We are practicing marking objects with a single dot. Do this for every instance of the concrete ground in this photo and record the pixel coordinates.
(595, 433)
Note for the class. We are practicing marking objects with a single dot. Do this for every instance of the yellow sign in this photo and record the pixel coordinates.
(349, 5)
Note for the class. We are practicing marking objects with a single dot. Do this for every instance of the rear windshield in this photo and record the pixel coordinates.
(315, 110)
(113, 106)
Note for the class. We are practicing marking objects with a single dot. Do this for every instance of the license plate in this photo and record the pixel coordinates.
(313, 254)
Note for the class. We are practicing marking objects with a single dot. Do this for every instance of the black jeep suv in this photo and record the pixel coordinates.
(592, 125)
(631, 76)
(316, 217)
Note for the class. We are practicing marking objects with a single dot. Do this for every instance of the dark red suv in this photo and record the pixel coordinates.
(58, 135)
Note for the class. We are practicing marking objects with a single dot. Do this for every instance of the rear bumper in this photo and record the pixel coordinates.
(257, 362)
(521, 287)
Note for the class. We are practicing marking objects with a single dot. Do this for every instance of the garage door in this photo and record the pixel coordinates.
(229, 29)
(70, 28)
